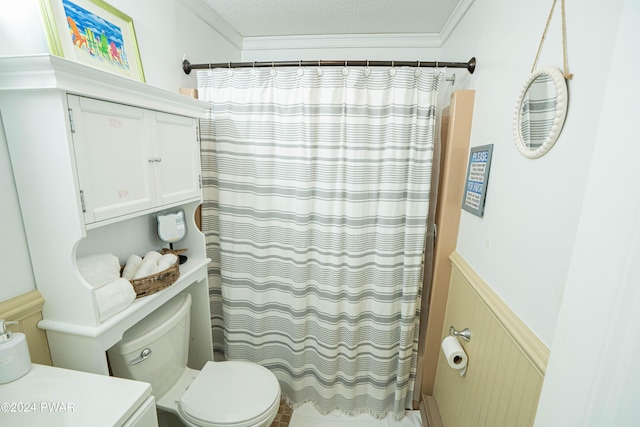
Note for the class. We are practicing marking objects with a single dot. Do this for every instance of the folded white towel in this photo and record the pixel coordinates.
(148, 267)
(87, 260)
(99, 269)
(114, 297)
(167, 261)
(132, 265)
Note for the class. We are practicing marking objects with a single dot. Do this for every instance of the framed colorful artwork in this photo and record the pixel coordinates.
(94, 33)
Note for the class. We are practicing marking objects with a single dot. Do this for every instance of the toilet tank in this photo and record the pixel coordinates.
(155, 350)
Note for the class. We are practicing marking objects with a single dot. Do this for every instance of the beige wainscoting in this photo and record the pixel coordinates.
(507, 362)
(26, 309)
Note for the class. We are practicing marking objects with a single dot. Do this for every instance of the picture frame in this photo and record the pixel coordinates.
(94, 33)
(475, 190)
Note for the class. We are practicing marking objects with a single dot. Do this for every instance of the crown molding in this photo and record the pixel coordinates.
(455, 17)
(215, 21)
(327, 41)
(337, 41)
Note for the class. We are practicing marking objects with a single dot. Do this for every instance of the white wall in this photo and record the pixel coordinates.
(591, 379)
(14, 251)
(166, 33)
(171, 30)
(523, 245)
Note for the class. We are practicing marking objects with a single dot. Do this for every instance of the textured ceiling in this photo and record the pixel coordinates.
(258, 18)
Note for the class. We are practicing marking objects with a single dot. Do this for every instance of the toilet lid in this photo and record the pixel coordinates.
(230, 393)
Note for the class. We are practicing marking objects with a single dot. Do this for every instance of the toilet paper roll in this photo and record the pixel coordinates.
(455, 355)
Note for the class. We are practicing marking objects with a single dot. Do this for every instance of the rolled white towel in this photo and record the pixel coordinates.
(99, 269)
(167, 261)
(132, 265)
(148, 267)
(114, 297)
(153, 256)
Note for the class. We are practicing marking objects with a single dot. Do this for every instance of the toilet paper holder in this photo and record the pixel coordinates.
(465, 334)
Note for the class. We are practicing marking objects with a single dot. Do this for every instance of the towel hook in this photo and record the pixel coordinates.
(465, 334)
(451, 79)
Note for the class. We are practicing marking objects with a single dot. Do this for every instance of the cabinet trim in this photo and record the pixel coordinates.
(77, 78)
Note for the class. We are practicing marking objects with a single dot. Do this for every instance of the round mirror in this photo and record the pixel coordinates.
(540, 112)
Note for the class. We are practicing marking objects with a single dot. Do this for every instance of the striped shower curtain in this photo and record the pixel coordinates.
(538, 112)
(316, 186)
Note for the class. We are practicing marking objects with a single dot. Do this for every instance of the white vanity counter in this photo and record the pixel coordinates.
(52, 397)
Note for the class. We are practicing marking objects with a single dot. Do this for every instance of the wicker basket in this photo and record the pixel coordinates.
(156, 282)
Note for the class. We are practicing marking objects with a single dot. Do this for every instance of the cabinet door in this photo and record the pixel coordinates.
(113, 156)
(177, 153)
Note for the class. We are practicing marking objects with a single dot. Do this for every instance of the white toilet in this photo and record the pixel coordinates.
(229, 394)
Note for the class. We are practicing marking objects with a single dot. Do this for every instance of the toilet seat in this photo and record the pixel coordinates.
(233, 393)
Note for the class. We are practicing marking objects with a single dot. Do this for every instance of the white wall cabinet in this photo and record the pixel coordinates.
(131, 159)
(75, 133)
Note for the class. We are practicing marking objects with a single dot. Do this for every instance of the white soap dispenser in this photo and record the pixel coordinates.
(15, 360)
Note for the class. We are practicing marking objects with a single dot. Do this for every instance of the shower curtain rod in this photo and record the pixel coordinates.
(470, 65)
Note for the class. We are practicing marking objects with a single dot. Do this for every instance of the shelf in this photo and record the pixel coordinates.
(40, 72)
(118, 219)
(110, 331)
